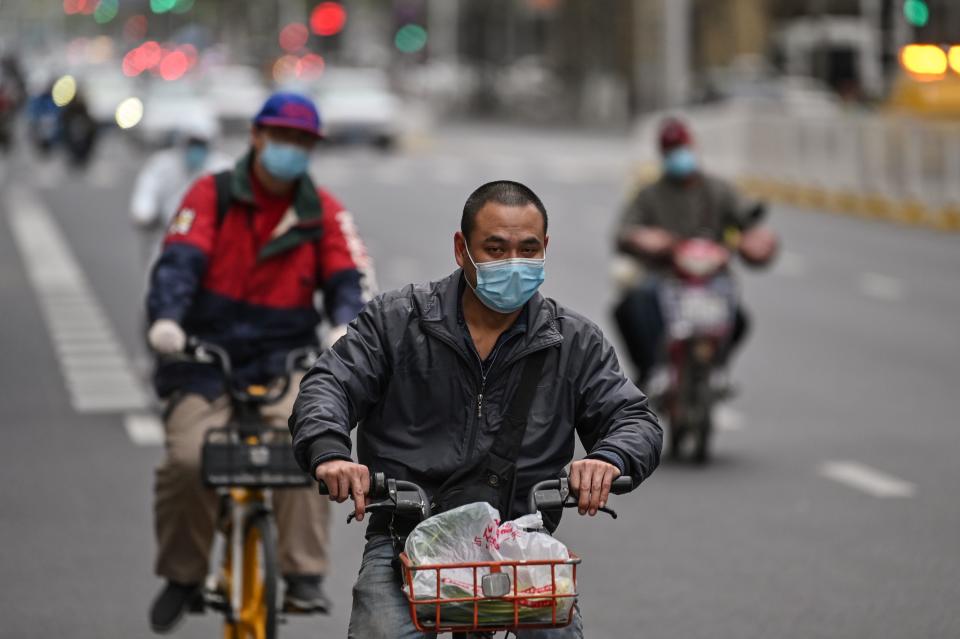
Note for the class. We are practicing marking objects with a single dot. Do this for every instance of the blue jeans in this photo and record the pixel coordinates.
(380, 609)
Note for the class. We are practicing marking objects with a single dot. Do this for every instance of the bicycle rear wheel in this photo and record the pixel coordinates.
(257, 617)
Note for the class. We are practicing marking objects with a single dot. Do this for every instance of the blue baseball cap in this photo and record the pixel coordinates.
(290, 110)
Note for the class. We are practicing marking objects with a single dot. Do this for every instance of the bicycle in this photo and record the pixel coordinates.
(244, 461)
(494, 582)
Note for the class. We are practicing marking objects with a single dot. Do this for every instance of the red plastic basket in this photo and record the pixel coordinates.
(548, 607)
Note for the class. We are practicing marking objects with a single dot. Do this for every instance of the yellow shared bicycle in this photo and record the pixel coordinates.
(244, 461)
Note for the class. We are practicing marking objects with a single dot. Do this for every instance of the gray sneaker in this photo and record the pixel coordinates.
(304, 595)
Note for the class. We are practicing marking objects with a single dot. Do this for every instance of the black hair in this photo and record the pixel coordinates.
(504, 192)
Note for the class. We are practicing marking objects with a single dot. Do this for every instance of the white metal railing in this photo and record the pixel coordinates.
(863, 159)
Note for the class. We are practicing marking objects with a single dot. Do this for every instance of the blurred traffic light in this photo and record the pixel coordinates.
(410, 38)
(328, 18)
(916, 12)
(174, 6)
(106, 11)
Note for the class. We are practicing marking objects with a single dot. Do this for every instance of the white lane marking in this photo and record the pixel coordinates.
(96, 372)
(881, 287)
(728, 420)
(790, 264)
(144, 429)
(866, 479)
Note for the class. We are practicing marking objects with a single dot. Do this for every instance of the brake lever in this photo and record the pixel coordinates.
(572, 502)
(380, 505)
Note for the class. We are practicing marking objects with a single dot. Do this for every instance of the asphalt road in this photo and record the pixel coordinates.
(830, 511)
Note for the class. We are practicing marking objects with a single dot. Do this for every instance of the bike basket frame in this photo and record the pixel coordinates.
(262, 460)
(517, 610)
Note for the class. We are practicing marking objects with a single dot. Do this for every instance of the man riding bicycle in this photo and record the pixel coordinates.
(242, 261)
(429, 374)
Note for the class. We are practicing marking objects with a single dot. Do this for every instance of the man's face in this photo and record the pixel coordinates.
(282, 135)
(501, 232)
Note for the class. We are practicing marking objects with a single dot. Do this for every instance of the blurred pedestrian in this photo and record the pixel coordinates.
(241, 263)
(167, 174)
(80, 131)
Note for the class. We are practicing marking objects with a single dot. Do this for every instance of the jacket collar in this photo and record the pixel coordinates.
(443, 306)
(306, 207)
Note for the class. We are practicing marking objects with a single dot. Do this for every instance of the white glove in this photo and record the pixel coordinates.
(331, 336)
(166, 337)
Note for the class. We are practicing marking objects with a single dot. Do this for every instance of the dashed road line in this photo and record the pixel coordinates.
(881, 287)
(867, 479)
(96, 372)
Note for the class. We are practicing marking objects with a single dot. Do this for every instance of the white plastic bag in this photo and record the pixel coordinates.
(452, 537)
(473, 533)
(525, 539)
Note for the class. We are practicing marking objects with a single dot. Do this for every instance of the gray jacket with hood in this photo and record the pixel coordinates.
(406, 376)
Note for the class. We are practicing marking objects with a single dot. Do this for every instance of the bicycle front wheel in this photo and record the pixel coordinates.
(257, 617)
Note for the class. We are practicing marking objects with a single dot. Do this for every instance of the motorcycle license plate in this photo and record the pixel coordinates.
(703, 308)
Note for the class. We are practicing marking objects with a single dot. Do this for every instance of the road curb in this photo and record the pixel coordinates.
(866, 206)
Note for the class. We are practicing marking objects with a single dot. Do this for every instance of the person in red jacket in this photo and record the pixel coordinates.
(241, 263)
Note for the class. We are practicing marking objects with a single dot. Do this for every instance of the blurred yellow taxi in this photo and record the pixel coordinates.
(929, 85)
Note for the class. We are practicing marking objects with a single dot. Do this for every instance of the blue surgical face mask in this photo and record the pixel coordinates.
(680, 162)
(505, 286)
(285, 162)
(196, 157)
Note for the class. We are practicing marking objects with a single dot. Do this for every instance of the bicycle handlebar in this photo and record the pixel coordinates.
(203, 352)
(408, 498)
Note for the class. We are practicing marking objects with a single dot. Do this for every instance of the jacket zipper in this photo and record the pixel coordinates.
(475, 429)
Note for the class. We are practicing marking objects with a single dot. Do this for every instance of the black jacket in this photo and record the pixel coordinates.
(404, 374)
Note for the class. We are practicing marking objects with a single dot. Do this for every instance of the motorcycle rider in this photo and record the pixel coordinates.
(429, 376)
(168, 173)
(241, 262)
(684, 202)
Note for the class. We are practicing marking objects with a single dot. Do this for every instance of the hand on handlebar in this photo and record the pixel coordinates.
(346, 479)
(591, 480)
(166, 337)
(651, 241)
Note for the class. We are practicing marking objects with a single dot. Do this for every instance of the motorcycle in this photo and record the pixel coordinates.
(698, 299)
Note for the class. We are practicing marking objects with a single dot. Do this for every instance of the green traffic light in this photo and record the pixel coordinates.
(916, 12)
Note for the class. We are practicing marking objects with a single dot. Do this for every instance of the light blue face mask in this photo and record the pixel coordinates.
(505, 286)
(285, 162)
(196, 157)
(680, 162)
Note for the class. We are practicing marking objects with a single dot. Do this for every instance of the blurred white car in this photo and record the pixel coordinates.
(104, 89)
(357, 105)
(235, 93)
(165, 105)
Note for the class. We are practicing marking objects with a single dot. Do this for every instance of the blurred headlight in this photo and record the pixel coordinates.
(64, 90)
(129, 113)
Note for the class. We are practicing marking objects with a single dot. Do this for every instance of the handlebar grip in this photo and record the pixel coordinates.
(378, 486)
(621, 485)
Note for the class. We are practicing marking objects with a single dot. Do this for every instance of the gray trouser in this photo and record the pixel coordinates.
(380, 609)
(185, 511)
